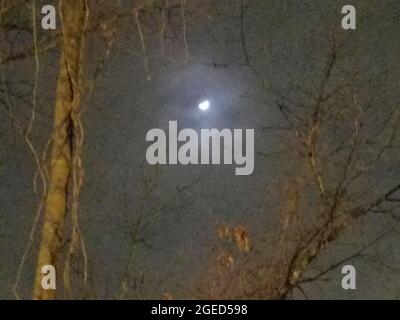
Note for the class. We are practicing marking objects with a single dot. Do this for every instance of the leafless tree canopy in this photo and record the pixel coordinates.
(76, 191)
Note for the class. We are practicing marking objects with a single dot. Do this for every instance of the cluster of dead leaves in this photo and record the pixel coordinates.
(238, 235)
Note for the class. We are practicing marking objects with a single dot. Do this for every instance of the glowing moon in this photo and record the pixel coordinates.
(204, 105)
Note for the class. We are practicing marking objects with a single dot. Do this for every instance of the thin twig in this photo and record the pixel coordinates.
(143, 43)
(34, 153)
(183, 3)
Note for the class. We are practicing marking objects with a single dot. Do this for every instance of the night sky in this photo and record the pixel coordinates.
(152, 231)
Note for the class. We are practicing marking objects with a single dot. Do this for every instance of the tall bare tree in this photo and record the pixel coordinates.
(73, 14)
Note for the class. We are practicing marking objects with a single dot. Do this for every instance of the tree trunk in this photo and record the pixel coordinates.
(73, 19)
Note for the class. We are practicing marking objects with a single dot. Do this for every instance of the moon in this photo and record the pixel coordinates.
(204, 105)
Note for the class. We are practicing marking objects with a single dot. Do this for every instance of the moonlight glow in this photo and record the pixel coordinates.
(204, 105)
